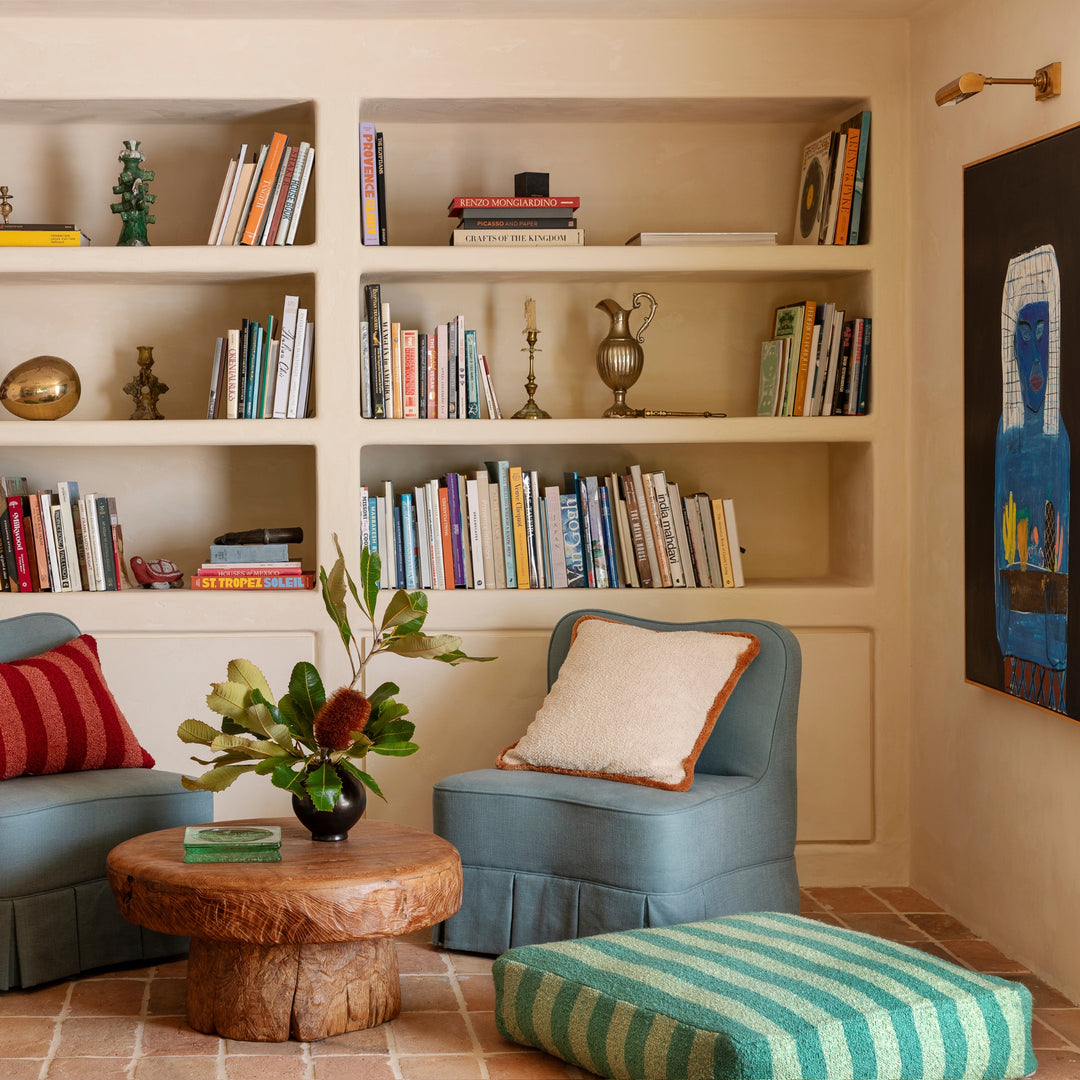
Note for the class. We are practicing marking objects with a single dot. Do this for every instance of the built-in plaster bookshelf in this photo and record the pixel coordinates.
(680, 152)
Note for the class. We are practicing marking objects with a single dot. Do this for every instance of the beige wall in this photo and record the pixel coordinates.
(995, 792)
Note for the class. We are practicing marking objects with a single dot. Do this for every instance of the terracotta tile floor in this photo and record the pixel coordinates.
(129, 1024)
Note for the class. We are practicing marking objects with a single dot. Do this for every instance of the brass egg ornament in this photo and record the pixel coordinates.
(41, 388)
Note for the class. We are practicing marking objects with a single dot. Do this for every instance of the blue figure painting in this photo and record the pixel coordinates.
(1031, 481)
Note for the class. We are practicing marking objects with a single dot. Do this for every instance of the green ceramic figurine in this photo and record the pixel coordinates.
(135, 200)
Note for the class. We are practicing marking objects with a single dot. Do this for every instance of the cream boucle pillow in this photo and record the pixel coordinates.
(632, 704)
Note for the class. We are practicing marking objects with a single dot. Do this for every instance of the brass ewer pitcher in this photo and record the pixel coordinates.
(620, 357)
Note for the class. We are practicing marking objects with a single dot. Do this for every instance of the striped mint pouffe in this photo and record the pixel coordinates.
(761, 997)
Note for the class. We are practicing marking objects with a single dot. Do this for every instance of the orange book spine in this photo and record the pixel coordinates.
(804, 356)
(447, 537)
(847, 188)
(266, 185)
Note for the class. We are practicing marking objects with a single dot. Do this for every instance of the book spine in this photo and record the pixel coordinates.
(472, 376)
(7, 552)
(433, 375)
(457, 329)
(309, 166)
(732, 532)
(289, 204)
(697, 541)
(653, 575)
(447, 535)
(289, 311)
(296, 373)
(104, 528)
(438, 571)
(494, 412)
(36, 546)
(476, 533)
(264, 187)
(532, 531)
(606, 524)
(499, 475)
(573, 546)
(517, 517)
(518, 237)
(666, 528)
(63, 556)
(423, 535)
(456, 547)
(380, 186)
(864, 372)
(373, 296)
(637, 531)
(487, 536)
(722, 544)
(19, 540)
(663, 563)
(369, 191)
(48, 530)
(391, 388)
(284, 183)
(555, 534)
(860, 180)
(232, 376)
(249, 553)
(421, 375)
(597, 546)
(242, 582)
(803, 343)
(851, 399)
(410, 367)
(513, 223)
(42, 238)
(627, 561)
(408, 540)
(223, 198)
(487, 202)
(847, 189)
(268, 381)
(686, 555)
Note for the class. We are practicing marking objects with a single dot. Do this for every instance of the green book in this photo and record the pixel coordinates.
(232, 843)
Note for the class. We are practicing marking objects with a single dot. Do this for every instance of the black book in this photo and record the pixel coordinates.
(518, 223)
(373, 296)
(380, 186)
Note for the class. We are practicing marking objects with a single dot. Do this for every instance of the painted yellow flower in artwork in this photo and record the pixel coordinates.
(1008, 530)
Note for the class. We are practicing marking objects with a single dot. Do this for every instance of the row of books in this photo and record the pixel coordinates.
(516, 221)
(832, 186)
(36, 235)
(261, 199)
(500, 528)
(372, 185)
(247, 567)
(256, 375)
(817, 362)
(413, 375)
(59, 541)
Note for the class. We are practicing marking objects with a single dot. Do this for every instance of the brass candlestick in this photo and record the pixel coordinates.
(5, 203)
(530, 410)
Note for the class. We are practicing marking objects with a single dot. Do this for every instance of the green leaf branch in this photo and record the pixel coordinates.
(305, 740)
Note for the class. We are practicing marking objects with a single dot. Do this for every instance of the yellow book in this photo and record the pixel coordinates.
(727, 571)
(42, 238)
(521, 536)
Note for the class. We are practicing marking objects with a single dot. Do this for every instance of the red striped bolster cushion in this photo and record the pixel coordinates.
(58, 715)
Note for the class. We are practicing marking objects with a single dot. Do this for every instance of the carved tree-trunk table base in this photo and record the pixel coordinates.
(302, 948)
(269, 993)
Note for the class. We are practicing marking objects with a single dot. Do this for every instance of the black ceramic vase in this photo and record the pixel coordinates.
(333, 824)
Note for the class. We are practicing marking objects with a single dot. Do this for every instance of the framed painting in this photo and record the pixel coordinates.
(1021, 402)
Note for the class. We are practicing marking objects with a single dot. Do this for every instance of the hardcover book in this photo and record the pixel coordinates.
(813, 183)
(518, 237)
(505, 203)
(573, 547)
(369, 192)
(235, 843)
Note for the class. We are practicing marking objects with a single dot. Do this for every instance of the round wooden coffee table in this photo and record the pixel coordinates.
(302, 947)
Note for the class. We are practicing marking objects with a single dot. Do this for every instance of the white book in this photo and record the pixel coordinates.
(442, 338)
(476, 536)
(438, 571)
(296, 371)
(834, 361)
(494, 412)
(58, 543)
(385, 553)
(458, 327)
(249, 197)
(651, 553)
(232, 375)
(365, 372)
(309, 163)
(518, 237)
(811, 371)
(555, 537)
(234, 192)
(532, 480)
(685, 554)
(365, 518)
(484, 502)
(67, 527)
(496, 533)
(291, 194)
(387, 362)
(423, 535)
(94, 548)
(285, 356)
(666, 522)
(733, 542)
(223, 200)
(390, 580)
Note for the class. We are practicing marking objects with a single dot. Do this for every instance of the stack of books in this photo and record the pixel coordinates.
(232, 843)
(261, 199)
(817, 362)
(59, 541)
(832, 186)
(255, 375)
(500, 527)
(408, 374)
(516, 221)
(12, 235)
(372, 185)
(243, 567)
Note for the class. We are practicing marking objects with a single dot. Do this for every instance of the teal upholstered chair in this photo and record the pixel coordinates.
(57, 913)
(548, 857)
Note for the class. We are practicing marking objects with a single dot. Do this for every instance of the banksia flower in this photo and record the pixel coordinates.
(346, 711)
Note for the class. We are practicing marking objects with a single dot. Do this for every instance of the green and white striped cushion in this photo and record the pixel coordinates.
(761, 997)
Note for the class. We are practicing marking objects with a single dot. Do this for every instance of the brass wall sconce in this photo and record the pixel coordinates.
(1047, 83)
